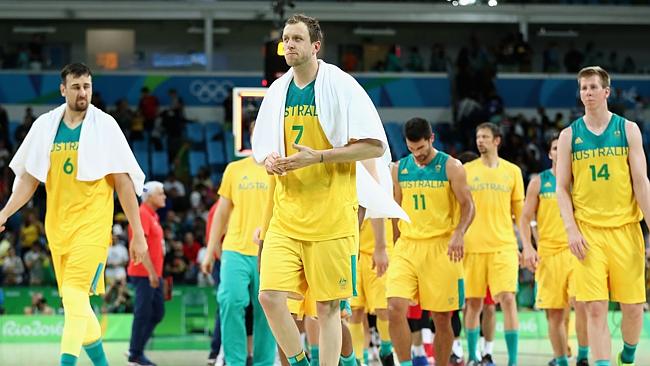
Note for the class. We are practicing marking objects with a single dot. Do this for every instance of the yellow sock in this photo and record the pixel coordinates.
(76, 305)
(382, 328)
(93, 329)
(358, 339)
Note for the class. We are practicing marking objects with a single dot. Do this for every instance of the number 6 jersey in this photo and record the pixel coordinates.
(78, 212)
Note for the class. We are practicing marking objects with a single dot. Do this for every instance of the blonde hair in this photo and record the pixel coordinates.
(597, 71)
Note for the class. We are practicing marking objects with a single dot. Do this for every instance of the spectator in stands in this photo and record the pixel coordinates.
(5, 154)
(123, 115)
(629, 67)
(523, 54)
(440, 62)
(612, 63)
(22, 130)
(97, 101)
(551, 58)
(227, 108)
(175, 262)
(617, 101)
(573, 59)
(36, 260)
(469, 113)
(173, 122)
(148, 105)
(117, 298)
(118, 258)
(4, 126)
(415, 62)
(12, 268)
(559, 122)
(589, 56)
(137, 126)
(38, 306)
(191, 247)
(393, 59)
(173, 183)
(22, 59)
(31, 231)
(36, 55)
(506, 53)
(478, 55)
(202, 180)
(5, 244)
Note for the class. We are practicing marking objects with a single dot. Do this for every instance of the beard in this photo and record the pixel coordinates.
(79, 105)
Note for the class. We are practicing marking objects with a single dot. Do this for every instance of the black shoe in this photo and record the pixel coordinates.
(487, 360)
(583, 362)
(387, 360)
(212, 358)
(140, 361)
(552, 362)
(455, 360)
(249, 361)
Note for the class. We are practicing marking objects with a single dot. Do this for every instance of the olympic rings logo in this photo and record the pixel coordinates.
(210, 90)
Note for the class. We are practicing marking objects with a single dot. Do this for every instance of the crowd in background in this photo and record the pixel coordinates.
(24, 257)
(512, 53)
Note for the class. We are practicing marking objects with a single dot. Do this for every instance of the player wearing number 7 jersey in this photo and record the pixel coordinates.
(602, 188)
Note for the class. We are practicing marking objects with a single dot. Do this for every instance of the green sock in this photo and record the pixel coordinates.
(602, 363)
(365, 356)
(314, 355)
(562, 361)
(349, 360)
(95, 352)
(512, 338)
(627, 356)
(68, 359)
(472, 343)
(385, 348)
(406, 363)
(583, 353)
(298, 360)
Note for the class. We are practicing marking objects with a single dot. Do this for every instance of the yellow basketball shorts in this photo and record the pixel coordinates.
(421, 271)
(326, 267)
(81, 267)
(371, 290)
(498, 270)
(303, 307)
(614, 268)
(555, 280)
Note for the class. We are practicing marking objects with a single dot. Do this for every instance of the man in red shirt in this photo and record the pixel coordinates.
(146, 277)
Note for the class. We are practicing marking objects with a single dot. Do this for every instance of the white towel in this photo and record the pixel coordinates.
(344, 110)
(377, 197)
(345, 113)
(103, 149)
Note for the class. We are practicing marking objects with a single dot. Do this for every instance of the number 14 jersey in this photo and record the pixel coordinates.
(602, 186)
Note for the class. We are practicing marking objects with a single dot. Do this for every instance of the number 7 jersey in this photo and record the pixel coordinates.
(602, 186)
(427, 198)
